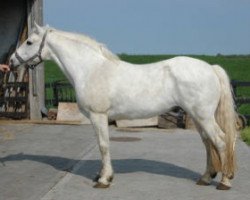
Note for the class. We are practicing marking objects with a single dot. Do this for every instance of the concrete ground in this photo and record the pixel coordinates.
(58, 162)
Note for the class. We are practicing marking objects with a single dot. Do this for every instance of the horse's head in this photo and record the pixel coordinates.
(32, 51)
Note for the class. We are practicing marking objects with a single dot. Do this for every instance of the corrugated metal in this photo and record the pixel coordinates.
(12, 17)
(16, 19)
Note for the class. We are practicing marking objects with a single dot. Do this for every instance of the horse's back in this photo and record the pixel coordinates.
(146, 90)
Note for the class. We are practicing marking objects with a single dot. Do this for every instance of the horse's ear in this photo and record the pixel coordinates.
(37, 28)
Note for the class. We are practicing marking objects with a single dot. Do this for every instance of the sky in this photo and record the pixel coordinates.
(204, 27)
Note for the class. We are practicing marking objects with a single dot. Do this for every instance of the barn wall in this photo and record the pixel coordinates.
(36, 83)
(12, 16)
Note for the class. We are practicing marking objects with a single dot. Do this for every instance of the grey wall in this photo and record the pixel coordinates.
(12, 16)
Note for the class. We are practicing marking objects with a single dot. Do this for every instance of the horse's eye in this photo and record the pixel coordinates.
(29, 43)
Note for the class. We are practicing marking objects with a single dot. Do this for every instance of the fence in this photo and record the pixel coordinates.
(59, 91)
(239, 99)
(14, 100)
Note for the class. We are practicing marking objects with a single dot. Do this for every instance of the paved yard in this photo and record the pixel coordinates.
(58, 162)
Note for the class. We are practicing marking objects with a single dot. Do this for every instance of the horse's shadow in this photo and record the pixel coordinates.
(89, 168)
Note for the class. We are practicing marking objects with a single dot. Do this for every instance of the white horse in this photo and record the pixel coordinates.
(108, 88)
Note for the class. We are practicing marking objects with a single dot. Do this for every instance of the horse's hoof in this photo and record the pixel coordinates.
(222, 186)
(96, 179)
(201, 182)
(213, 175)
(101, 185)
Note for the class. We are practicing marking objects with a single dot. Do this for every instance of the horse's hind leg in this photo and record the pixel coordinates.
(216, 138)
(100, 124)
(210, 172)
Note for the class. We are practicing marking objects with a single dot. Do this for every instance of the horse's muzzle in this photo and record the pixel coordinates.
(13, 64)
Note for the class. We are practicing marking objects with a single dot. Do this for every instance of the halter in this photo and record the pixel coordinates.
(37, 55)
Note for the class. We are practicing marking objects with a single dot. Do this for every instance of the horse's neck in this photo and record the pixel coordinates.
(75, 59)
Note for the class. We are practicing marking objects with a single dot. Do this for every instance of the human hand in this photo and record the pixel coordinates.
(4, 68)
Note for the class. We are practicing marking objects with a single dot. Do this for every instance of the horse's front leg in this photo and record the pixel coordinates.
(100, 124)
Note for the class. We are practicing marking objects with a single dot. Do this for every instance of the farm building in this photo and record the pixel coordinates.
(22, 91)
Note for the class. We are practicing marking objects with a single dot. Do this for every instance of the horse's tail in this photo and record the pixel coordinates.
(226, 119)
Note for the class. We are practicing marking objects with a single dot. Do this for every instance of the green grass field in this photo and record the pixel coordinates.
(237, 67)
(245, 135)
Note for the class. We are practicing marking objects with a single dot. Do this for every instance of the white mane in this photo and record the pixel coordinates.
(99, 47)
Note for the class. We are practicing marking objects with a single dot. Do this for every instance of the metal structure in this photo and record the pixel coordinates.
(15, 102)
(179, 116)
(241, 100)
(22, 92)
(59, 91)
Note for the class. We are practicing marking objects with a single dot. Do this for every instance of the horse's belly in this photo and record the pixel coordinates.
(139, 108)
(116, 114)
(141, 98)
